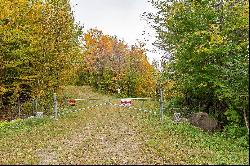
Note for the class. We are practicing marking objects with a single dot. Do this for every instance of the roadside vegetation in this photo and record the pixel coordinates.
(105, 135)
(204, 70)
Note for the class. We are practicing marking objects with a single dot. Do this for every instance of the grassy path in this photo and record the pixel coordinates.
(103, 135)
(111, 135)
(106, 135)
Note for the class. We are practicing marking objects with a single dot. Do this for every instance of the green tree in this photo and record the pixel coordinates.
(208, 42)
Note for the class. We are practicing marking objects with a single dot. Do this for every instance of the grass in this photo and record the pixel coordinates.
(113, 135)
(189, 145)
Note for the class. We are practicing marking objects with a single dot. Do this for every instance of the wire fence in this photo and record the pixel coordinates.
(105, 103)
(62, 111)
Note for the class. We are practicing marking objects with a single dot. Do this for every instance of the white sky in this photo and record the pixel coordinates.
(117, 17)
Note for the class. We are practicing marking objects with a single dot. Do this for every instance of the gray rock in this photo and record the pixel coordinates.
(183, 120)
(39, 114)
(203, 121)
(178, 119)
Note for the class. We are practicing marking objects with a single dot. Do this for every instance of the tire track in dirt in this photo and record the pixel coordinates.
(111, 136)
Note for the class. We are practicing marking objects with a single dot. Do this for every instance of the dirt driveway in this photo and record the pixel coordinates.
(110, 135)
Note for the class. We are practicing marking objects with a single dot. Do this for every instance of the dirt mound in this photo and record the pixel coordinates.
(203, 121)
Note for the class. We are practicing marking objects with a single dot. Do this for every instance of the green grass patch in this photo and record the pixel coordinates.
(193, 146)
(21, 124)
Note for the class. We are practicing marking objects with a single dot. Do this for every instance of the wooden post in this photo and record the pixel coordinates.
(142, 105)
(19, 108)
(36, 103)
(161, 105)
(65, 101)
(55, 109)
(245, 118)
(33, 107)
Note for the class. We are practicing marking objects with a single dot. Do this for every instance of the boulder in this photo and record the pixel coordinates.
(203, 121)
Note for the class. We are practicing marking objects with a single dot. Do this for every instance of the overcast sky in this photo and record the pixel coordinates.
(116, 17)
